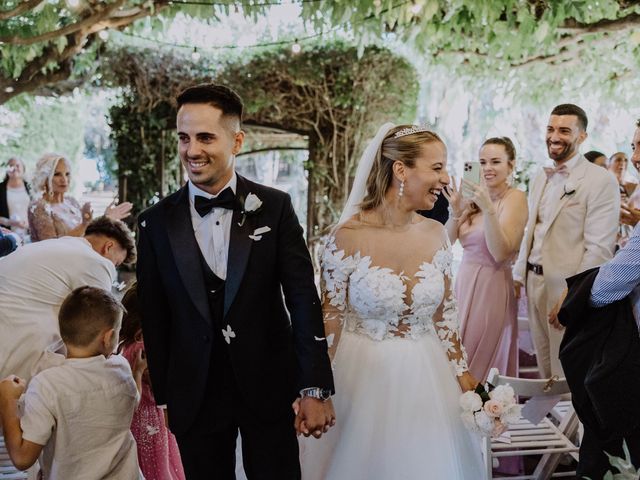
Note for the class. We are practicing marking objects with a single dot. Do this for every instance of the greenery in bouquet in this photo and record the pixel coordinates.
(489, 410)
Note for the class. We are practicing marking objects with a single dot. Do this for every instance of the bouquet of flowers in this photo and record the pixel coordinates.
(489, 411)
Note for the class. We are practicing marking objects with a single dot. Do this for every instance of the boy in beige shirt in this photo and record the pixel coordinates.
(77, 416)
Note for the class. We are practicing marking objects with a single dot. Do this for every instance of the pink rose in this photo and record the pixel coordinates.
(493, 408)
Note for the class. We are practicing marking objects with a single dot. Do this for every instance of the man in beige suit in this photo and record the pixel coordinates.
(574, 208)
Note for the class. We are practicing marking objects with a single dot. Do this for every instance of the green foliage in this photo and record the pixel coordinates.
(145, 151)
(524, 47)
(328, 93)
(45, 125)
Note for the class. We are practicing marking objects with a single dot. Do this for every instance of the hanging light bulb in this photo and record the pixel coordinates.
(103, 34)
(296, 47)
(415, 8)
(195, 55)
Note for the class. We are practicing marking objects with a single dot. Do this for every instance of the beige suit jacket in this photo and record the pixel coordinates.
(582, 232)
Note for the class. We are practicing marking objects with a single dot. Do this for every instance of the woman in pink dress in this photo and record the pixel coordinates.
(490, 226)
(158, 453)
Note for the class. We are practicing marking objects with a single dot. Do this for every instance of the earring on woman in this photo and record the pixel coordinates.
(401, 192)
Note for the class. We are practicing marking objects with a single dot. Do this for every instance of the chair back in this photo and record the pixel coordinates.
(530, 387)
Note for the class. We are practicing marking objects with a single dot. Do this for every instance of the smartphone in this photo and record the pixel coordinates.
(471, 173)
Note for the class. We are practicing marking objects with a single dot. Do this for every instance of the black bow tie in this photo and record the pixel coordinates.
(225, 199)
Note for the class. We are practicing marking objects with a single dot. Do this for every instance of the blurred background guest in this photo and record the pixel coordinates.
(597, 158)
(617, 165)
(9, 241)
(54, 213)
(14, 199)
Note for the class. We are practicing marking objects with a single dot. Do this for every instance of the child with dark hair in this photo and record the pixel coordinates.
(158, 453)
(76, 415)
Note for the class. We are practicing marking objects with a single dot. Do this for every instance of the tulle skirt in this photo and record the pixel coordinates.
(397, 415)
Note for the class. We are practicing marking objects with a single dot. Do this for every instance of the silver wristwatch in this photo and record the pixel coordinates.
(323, 394)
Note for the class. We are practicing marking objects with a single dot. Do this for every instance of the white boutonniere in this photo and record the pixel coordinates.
(251, 206)
(257, 233)
(228, 334)
(569, 189)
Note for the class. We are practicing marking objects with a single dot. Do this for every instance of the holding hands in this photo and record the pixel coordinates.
(313, 416)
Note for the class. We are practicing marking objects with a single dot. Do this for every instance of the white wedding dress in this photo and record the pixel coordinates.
(396, 361)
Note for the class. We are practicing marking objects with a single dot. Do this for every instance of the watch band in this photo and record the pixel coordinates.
(316, 392)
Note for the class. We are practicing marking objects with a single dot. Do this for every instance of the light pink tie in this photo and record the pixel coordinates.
(561, 170)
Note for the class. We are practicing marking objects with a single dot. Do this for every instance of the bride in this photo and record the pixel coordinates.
(392, 327)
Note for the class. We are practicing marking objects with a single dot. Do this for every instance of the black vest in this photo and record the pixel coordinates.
(221, 389)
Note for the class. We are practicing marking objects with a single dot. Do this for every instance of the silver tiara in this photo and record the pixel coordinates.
(410, 131)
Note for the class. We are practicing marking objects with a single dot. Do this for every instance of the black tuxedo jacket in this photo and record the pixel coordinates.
(600, 355)
(276, 350)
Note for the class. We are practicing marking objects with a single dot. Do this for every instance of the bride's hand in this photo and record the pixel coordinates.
(455, 198)
(467, 382)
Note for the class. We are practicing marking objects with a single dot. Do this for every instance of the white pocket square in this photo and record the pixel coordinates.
(143, 223)
(257, 233)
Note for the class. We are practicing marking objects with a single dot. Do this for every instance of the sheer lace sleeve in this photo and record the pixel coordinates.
(446, 317)
(336, 267)
(41, 222)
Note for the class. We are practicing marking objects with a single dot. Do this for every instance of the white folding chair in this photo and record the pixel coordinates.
(7, 470)
(544, 439)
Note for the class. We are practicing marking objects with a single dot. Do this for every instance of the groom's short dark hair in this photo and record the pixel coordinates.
(218, 96)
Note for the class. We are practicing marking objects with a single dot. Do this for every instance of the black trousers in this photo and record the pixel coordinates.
(269, 451)
(208, 448)
(594, 463)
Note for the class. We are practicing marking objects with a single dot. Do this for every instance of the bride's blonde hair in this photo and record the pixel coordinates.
(403, 149)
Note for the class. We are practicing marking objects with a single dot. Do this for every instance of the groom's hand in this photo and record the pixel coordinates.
(314, 417)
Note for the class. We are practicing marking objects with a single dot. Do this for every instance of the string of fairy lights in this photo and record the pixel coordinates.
(295, 43)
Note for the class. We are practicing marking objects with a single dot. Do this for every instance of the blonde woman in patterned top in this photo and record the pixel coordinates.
(54, 213)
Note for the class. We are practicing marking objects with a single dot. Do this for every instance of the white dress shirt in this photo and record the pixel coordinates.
(213, 230)
(552, 190)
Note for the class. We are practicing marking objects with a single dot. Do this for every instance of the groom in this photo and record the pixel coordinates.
(218, 261)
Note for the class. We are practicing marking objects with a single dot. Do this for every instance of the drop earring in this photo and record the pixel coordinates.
(401, 191)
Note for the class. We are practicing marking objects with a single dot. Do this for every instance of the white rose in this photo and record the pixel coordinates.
(470, 401)
(503, 394)
(511, 414)
(252, 203)
(469, 421)
(569, 188)
(485, 422)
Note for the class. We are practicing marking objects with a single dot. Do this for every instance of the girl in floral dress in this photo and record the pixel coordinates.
(158, 453)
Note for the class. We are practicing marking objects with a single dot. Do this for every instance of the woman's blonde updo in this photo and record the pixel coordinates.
(45, 169)
(404, 149)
